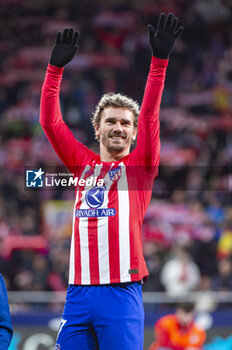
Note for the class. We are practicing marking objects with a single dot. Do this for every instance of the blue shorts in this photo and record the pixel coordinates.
(102, 317)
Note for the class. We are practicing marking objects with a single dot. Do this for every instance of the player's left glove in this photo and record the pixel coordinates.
(162, 39)
(65, 47)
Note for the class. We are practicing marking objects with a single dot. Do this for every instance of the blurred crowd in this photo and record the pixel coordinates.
(187, 231)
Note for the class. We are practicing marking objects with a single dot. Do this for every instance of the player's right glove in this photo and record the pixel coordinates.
(162, 39)
(65, 47)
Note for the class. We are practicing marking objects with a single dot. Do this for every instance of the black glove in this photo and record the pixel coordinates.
(65, 47)
(167, 31)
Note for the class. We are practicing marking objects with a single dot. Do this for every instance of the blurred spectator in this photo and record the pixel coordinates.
(39, 272)
(154, 264)
(225, 241)
(180, 274)
(214, 210)
(223, 280)
(205, 302)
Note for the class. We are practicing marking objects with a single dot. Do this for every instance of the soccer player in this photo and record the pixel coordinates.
(103, 307)
(179, 331)
(6, 330)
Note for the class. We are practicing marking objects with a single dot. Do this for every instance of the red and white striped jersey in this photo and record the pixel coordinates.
(106, 245)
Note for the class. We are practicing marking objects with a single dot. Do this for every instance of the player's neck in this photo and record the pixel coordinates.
(113, 156)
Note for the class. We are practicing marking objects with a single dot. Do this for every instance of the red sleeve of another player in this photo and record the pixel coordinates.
(147, 151)
(70, 151)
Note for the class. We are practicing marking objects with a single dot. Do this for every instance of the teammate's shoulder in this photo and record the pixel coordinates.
(167, 320)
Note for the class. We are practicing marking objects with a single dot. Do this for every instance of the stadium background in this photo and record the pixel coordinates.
(189, 220)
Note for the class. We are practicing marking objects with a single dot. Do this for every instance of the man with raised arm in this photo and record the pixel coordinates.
(103, 308)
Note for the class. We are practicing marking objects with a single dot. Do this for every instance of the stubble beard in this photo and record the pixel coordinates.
(114, 147)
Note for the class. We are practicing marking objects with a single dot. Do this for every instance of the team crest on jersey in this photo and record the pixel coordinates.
(95, 196)
(115, 174)
(57, 347)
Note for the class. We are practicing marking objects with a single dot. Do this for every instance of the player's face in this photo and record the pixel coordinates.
(184, 318)
(116, 130)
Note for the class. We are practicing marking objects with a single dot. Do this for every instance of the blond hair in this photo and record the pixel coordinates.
(118, 101)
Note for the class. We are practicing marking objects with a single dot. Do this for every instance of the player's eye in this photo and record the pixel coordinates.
(110, 121)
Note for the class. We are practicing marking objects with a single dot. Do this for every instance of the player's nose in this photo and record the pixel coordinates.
(118, 127)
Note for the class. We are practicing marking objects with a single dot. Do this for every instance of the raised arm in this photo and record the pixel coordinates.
(147, 151)
(70, 151)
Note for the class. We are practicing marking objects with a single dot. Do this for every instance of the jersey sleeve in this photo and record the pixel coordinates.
(147, 151)
(70, 151)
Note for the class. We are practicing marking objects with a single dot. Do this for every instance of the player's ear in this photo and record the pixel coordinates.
(97, 132)
(134, 134)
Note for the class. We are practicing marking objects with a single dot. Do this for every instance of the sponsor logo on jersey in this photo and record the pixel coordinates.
(95, 196)
(34, 178)
(87, 213)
